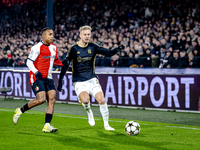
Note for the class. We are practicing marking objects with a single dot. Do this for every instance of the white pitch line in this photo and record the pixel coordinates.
(181, 127)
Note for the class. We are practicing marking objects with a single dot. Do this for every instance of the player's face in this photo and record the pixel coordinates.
(48, 36)
(85, 35)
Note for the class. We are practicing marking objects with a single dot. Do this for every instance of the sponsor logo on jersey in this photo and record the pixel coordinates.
(89, 51)
(47, 57)
(78, 52)
(79, 59)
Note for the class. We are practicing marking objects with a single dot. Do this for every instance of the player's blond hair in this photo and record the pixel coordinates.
(85, 28)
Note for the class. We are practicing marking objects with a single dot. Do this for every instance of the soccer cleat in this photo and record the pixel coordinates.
(108, 128)
(91, 118)
(48, 128)
(17, 115)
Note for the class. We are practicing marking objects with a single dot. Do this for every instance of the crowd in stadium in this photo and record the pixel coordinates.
(156, 33)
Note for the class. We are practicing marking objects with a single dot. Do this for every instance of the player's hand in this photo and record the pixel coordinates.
(38, 75)
(59, 88)
(121, 47)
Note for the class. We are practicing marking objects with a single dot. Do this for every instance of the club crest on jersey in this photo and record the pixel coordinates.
(89, 51)
(36, 88)
(79, 59)
(78, 52)
(54, 49)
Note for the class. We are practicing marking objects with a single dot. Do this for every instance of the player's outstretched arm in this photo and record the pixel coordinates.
(114, 51)
(62, 73)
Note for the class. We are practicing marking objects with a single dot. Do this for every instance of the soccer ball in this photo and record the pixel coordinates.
(132, 128)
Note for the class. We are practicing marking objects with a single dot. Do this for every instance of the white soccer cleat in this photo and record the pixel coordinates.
(48, 128)
(17, 115)
(107, 127)
(91, 118)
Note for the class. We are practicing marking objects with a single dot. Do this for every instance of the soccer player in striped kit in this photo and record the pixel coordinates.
(82, 55)
(40, 61)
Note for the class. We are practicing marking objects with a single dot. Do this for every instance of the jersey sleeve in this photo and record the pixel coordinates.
(104, 51)
(31, 66)
(100, 50)
(66, 63)
(70, 53)
(34, 53)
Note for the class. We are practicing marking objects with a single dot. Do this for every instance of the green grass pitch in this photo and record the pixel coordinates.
(74, 132)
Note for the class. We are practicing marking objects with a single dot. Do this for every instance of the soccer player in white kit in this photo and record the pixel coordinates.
(82, 55)
(40, 61)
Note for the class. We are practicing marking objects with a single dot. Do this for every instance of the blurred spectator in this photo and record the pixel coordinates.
(131, 59)
(174, 62)
(137, 61)
(9, 54)
(137, 24)
(188, 48)
(182, 42)
(140, 61)
(174, 42)
(10, 61)
(196, 59)
(162, 52)
(1, 61)
(115, 60)
(5, 60)
(147, 58)
(106, 62)
(190, 60)
(61, 55)
(195, 45)
(164, 62)
(123, 59)
(155, 60)
(184, 59)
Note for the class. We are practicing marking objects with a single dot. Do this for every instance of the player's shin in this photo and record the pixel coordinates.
(89, 113)
(25, 108)
(47, 126)
(87, 107)
(105, 113)
(48, 118)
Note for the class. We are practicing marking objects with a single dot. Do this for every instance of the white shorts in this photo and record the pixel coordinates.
(91, 86)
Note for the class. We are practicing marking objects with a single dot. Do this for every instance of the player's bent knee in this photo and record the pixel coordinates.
(52, 101)
(41, 97)
(102, 102)
(41, 100)
(85, 101)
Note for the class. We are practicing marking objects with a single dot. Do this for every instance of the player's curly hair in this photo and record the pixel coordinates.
(86, 27)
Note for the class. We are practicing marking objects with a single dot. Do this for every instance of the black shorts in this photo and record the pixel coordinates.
(43, 85)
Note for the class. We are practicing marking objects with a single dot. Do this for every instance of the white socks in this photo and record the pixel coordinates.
(89, 113)
(87, 107)
(105, 113)
(46, 124)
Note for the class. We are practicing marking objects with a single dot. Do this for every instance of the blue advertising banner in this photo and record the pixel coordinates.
(180, 92)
